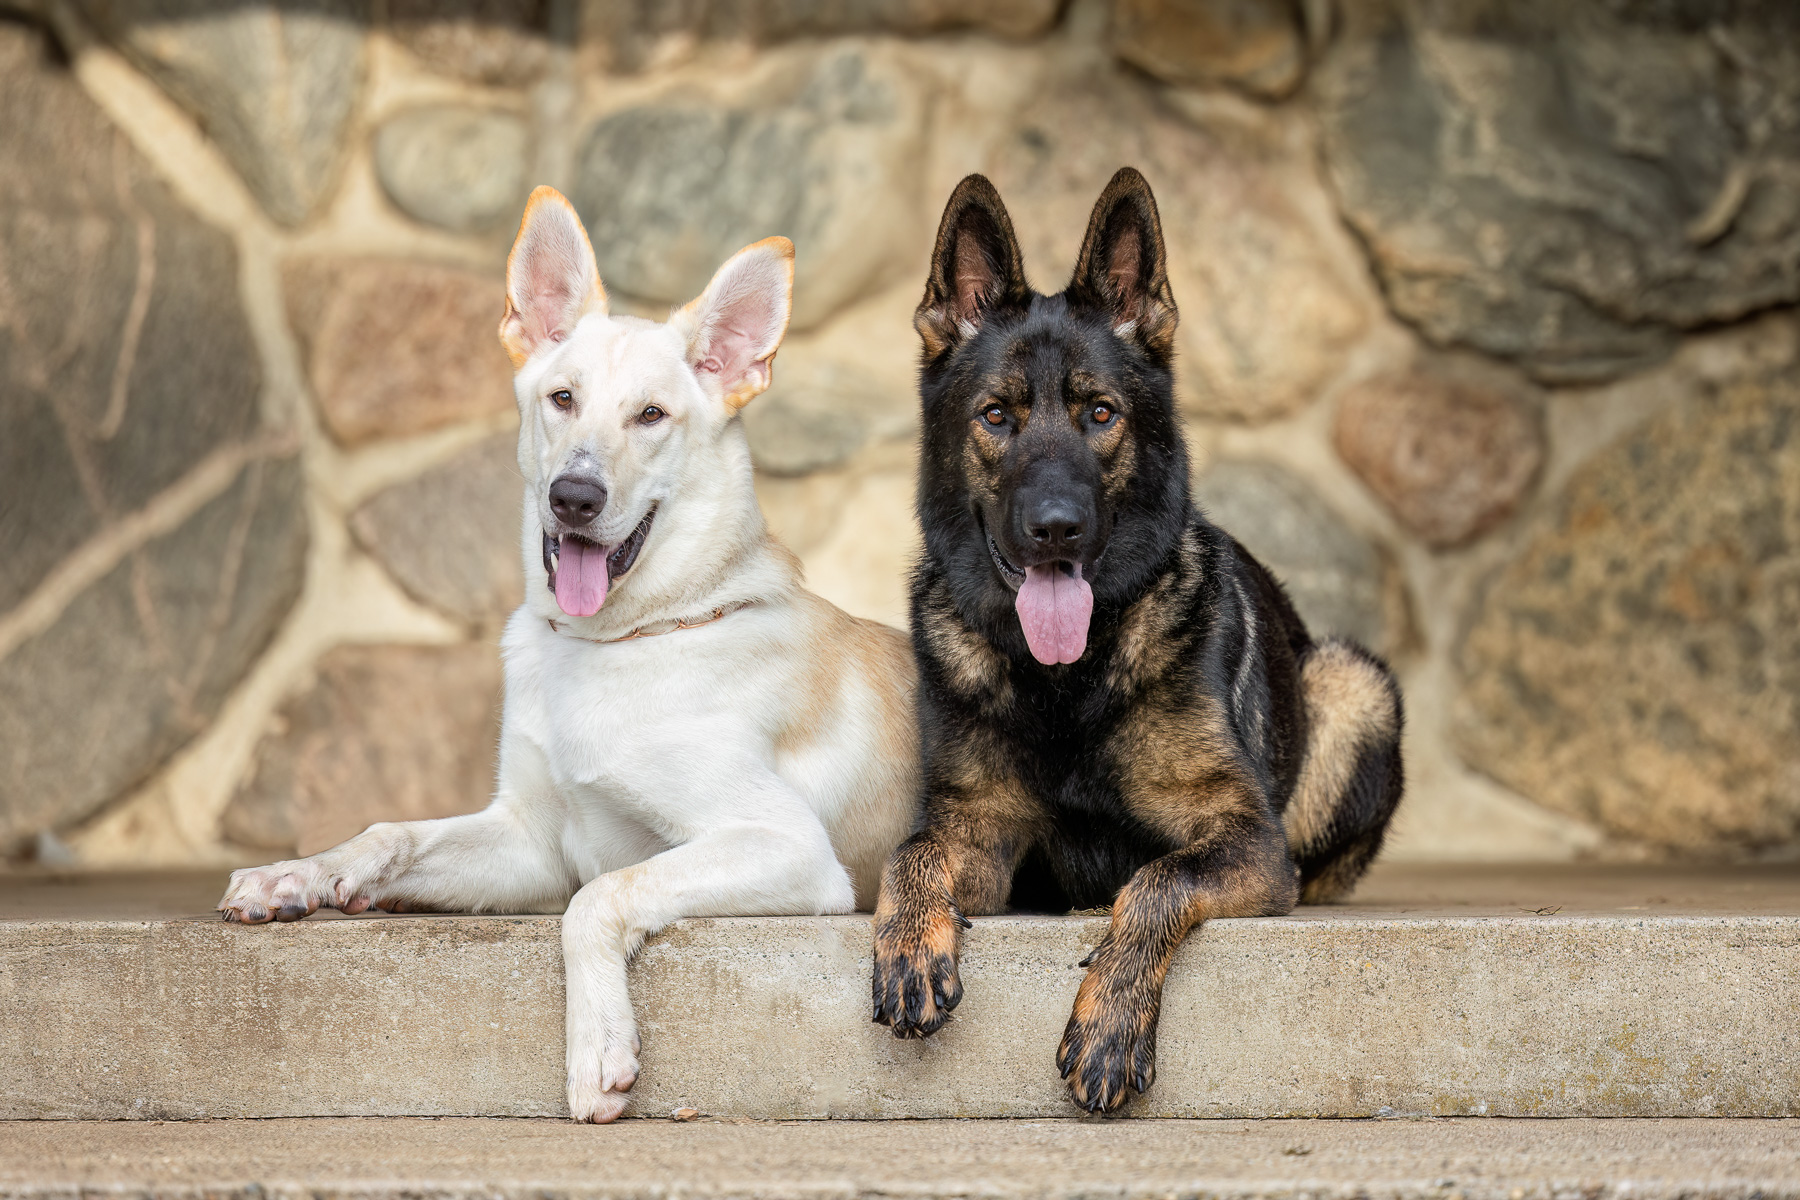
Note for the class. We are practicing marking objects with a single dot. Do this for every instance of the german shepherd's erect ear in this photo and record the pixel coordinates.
(1123, 269)
(975, 269)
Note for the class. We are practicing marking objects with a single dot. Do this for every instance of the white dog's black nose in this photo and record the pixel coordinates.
(576, 500)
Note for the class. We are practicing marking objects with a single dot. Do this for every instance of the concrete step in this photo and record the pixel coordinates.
(476, 1159)
(1443, 992)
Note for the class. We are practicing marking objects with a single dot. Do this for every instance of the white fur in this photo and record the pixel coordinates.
(760, 764)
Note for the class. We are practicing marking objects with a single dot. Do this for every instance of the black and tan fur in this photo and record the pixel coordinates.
(1203, 757)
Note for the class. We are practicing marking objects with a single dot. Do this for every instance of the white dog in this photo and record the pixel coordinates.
(688, 732)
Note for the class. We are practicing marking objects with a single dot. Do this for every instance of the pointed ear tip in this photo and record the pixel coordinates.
(975, 186)
(778, 246)
(543, 193)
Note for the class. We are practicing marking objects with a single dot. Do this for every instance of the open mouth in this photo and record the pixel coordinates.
(581, 571)
(1054, 604)
(1011, 574)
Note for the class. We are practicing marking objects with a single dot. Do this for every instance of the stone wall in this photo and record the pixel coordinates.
(1487, 346)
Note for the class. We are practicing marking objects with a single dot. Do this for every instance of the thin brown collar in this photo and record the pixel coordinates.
(651, 630)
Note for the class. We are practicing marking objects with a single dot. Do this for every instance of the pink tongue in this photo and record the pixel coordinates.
(580, 577)
(1054, 609)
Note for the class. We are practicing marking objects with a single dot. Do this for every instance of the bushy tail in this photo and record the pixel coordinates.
(1351, 778)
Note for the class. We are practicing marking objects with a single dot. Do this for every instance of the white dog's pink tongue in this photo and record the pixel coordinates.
(580, 577)
(1054, 608)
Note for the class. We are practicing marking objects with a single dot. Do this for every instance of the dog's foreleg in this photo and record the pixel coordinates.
(506, 857)
(960, 865)
(1238, 867)
(785, 867)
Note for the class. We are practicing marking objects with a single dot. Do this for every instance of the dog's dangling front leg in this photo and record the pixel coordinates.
(602, 1041)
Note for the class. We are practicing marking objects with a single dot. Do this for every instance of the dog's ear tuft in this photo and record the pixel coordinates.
(736, 325)
(975, 269)
(1123, 268)
(551, 279)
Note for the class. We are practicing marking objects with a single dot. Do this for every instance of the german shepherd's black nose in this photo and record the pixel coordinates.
(576, 501)
(1057, 526)
(1052, 524)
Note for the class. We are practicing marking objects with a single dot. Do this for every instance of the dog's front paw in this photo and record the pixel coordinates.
(286, 891)
(1109, 1047)
(600, 1073)
(916, 983)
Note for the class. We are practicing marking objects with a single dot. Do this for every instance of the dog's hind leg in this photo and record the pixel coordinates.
(777, 862)
(1351, 777)
(507, 857)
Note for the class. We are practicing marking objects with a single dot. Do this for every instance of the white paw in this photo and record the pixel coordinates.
(286, 891)
(600, 1077)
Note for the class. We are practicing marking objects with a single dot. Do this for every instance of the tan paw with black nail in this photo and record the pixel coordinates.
(1108, 1049)
(916, 982)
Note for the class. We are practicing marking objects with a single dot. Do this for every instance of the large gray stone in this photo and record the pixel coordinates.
(388, 733)
(632, 34)
(1638, 663)
(1271, 298)
(451, 165)
(819, 415)
(1334, 576)
(1569, 186)
(139, 663)
(670, 190)
(273, 82)
(451, 536)
(482, 41)
(125, 356)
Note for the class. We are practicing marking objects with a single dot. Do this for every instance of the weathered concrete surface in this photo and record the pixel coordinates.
(1596, 1008)
(549, 1160)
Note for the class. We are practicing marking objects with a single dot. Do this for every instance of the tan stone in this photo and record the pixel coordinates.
(1450, 449)
(864, 562)
(396, 347)
(388, 733)
(480, 41)
(1270, 301)
(1635, 664)
(451, 536)
(1256, 45)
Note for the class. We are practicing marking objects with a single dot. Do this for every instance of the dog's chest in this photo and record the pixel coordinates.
(608, 718)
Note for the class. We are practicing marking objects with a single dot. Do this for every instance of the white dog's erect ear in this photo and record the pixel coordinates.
(551, 279)
(736, 324)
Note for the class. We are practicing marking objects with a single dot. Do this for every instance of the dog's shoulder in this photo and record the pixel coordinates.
(962, 666)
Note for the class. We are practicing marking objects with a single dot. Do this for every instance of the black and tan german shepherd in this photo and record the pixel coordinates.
(1118, 704)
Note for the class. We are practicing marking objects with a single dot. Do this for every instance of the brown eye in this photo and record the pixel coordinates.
(562, 398)
(1103, 413)
(651, 415)
(993, 414)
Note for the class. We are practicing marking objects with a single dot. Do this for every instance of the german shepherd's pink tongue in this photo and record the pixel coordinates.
(1054, 605)
(581, 577)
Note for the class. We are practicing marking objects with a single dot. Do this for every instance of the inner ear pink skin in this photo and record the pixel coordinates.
(551, 279)
(739, 321)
